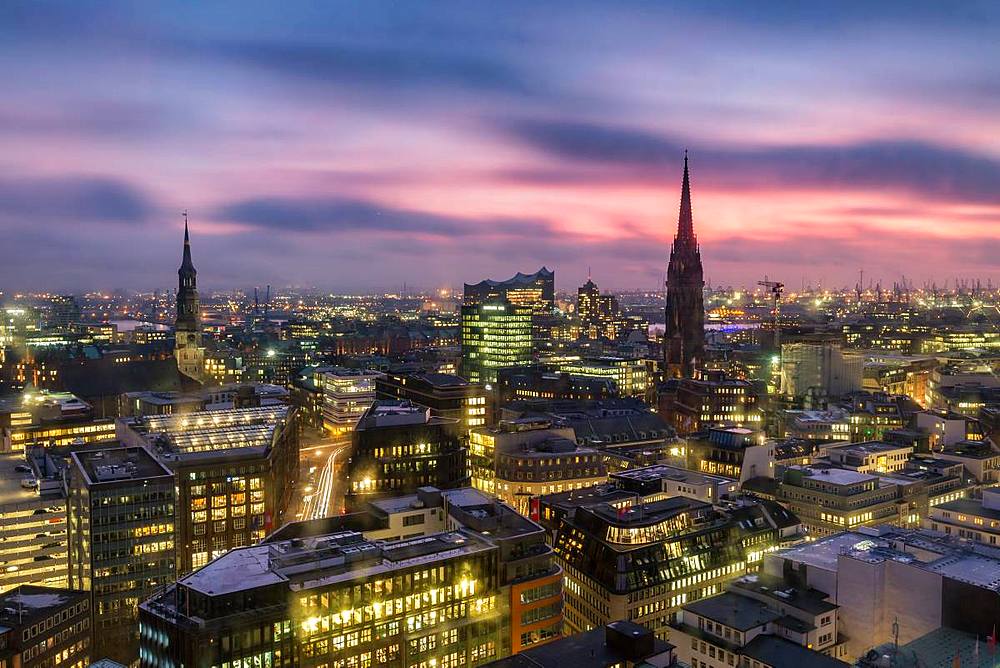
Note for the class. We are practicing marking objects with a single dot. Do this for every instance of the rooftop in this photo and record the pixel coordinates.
(11, 490)
(204, 431)
(112, 465)
(936, 649)
(661, 471)
(732, 610)
(26, 604)
(775, 651)
(834, 476)
(973, 507)
(868, 448)
(776, 589)
(394, 413)
(948, 556)
(320, 561)
(596, 648)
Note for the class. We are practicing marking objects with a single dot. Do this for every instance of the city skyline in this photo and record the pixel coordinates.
(357, 147)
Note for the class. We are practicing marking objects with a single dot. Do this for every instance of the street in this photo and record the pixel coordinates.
(319, 480)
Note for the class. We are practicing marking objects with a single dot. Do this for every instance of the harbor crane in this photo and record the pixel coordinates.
(776, 289)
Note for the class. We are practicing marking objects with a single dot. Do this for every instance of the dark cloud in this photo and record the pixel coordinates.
(357, 215)
(383, 67)
(915, 167)
(73, 199)
(594, 142)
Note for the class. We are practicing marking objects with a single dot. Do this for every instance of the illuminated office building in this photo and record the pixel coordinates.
(600, 316)
(710, 399)
(833, 499)
(533, 291)
(495, 335)
(629, 556)
(541, 382)
(64, 311)
(347, 394)
(962, 338)
(530, 582)
(49, 419)
(521, 460)
(235, 471)
(732, 452)
(44, 627)
(631, 376)
(121, 540)
(977, 520)
(32, 522)
(399, 447)
(336, 599)
(446, 395)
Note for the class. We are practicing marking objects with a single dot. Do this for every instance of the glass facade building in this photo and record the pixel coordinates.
(495, 335)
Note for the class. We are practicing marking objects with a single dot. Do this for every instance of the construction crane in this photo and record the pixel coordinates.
(776, 288)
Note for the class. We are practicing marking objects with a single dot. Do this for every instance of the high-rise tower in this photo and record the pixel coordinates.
(684, 337)
(188, 350)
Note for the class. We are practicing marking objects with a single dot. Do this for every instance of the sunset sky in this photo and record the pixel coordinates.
(357, 145)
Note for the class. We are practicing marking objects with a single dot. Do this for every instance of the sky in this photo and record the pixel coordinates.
(354, 146)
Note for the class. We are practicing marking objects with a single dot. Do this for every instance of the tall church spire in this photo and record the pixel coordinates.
(684, 337)
(187, 327)
(685, 220)
(186, 263)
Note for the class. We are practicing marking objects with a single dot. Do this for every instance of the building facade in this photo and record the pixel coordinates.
(600, 316)
(495, 335)
(121, 540)
(399, 447)
(521, 460)
(45, 627)
(33, 548)
(442, 599)
(235, 471)
(446, 395)
(629, 558)
(347, 394)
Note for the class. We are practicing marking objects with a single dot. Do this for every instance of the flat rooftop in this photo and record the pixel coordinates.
(732, 610)
(836, 476)
(946, 555)
(971, 507)
(113, 465)
(322, 561)
(590, 648)
(970, 567)
(810, 600)
(663, 471)
(211, 431)
(385, 413)
(26, 604)
(11, 491)
(868, 447)
(823, 553)
(775, 651)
